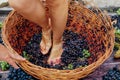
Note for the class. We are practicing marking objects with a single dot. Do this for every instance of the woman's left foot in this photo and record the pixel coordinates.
(55, 55)
(46, 41)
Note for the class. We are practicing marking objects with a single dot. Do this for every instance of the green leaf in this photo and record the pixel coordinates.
(4, 65)
(70, 66)
(118, 11)
(86, 53)
(116, 45)
(25, 55)
(117, 31)
(0, 25)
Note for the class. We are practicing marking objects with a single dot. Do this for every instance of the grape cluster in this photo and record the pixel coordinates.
(116, 17)
(113, 74)
(19, 74)
(73, 46)
(33, 49)
(72, 51)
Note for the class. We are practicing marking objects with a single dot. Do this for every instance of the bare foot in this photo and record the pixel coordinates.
(46, 43)
(55, 55)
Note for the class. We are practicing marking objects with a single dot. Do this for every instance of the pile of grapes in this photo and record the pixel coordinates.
(113, 74)
(19, 74)
(74, 55)
(75, 52)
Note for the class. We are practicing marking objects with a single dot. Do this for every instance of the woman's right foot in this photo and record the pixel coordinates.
(55, 55)
(46, 41)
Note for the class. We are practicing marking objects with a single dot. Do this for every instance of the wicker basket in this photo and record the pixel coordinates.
(97, 27)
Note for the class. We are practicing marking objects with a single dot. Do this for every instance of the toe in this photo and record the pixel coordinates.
(44, 51)
(54, 62)
(57, 61)
(43, 48)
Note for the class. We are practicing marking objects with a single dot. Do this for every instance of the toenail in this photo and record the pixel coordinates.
(51, 63)
(57, 61)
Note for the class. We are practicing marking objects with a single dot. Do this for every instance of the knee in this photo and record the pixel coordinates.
(17, 4)
(56, 3)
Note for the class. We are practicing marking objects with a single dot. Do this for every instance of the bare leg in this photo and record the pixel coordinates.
(58, 14)
(34, 10)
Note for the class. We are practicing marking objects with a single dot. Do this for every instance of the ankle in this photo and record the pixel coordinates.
(57, 42)
(46, 30)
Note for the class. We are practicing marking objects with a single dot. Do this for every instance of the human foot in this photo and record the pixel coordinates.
(55, 55)
(46, 44)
